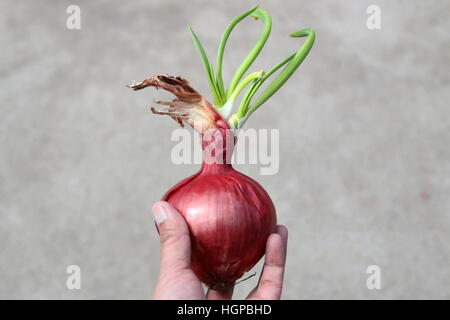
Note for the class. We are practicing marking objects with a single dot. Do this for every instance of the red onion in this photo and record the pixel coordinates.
(229, 215)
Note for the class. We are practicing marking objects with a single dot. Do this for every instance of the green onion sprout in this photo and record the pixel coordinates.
(224, 99)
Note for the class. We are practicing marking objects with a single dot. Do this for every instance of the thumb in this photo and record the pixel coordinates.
(174, 237)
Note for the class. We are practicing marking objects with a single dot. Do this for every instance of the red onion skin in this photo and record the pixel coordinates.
(229, 216)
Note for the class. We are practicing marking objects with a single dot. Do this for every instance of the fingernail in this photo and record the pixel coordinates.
(159, 213)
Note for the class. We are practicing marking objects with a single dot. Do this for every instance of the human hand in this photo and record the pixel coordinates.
(176, 280)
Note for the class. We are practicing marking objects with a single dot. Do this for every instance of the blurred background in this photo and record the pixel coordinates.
(364, 125)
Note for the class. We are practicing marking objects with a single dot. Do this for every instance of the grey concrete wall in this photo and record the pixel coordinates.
(364, 124)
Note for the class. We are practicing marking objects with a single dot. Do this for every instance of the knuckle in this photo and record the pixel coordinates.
(275, 264)
(271, 283)
(172, 235)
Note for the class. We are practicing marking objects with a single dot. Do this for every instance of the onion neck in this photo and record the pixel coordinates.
(218, 145)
